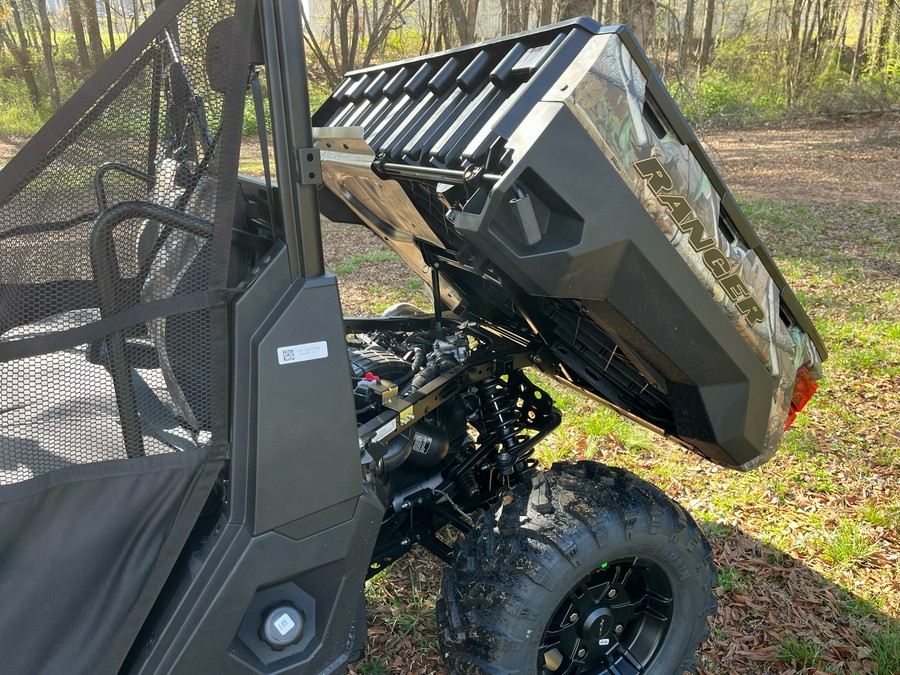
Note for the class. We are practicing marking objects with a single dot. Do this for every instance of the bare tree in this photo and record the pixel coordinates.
(464, 13)
(109, 25)
(706, 44)
(687, 30)
(93, 29)
(350, 24)
(546, 13)
(514, 15)
(569, 9)
(22, 54)
(47, 49)
(882, 44)
(644, 19)
(77, 21)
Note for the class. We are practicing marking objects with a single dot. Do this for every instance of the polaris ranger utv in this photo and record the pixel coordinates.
(202, 460)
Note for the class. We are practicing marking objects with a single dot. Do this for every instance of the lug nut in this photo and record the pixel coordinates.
(619, 629)
(573, 617)
(581, 653)
(612, 593)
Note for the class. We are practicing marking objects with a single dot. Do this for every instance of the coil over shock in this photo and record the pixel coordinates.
(500, 418)
(504, 424)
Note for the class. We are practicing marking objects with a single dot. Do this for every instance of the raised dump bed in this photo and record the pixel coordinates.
(551, 187)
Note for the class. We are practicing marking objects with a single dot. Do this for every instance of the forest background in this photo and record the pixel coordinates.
(727, 62)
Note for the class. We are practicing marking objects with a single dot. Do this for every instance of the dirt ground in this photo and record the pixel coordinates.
(857, 161)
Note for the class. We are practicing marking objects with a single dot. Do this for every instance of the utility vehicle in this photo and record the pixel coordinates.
(202, 460)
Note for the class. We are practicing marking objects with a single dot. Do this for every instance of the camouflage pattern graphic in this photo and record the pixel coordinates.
(609, 100)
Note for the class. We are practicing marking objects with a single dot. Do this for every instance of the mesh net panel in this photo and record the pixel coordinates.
(111, 247)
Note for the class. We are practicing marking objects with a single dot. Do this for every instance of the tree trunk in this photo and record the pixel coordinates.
(706, 44)
(794, 49)
(884, 33)
(644, 21)
(445, 33)
(93, 30)
(22, 56)
(460, 20)
(812, 15)
(794, 36)
(546, 15)
(47, 48)
(520, 14)
(569, 9)
(32, 23)
(427, 29)
(84, 59)
(20, 27)
(109, 26)
(687, 30)
(471, 18)
(513, 18)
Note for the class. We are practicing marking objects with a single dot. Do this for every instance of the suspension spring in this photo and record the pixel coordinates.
(500, 419)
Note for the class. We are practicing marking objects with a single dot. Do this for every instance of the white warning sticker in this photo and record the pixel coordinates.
(385, 430)
(284, 624)
(308, 351)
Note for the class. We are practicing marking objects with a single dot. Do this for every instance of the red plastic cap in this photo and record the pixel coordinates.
(804, 387)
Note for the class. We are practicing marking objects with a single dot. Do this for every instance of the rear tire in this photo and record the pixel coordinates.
(541, 585)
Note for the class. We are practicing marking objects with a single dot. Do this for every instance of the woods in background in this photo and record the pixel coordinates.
(49, 47)
(724, 60)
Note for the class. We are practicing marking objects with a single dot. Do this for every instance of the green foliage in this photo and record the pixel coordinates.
(849, 544)
(716, 94)
(248, 124)
(17, 116)
(886, 650)
(354, 263)
(834, 92)
(745, 83)
(805, 654)
(729, 578)
(401, 44)
(318, 93)
(748, 83)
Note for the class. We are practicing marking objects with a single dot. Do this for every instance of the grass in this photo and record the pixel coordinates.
(805, 655)
(376, 666)
(401, 606)
(808, 544)
(729, 579)
(886, 651)
(354, 263)
(850, 544)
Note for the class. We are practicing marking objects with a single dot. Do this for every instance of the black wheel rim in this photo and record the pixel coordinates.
(615, 620)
